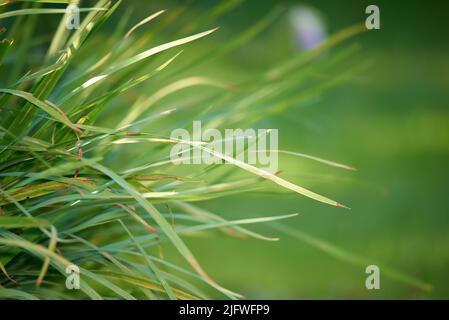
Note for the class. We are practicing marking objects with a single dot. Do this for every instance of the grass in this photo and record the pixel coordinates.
(67, 196)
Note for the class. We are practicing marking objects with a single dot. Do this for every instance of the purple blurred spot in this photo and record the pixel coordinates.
(309, 27)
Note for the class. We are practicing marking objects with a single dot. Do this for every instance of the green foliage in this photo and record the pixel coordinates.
(67, 195)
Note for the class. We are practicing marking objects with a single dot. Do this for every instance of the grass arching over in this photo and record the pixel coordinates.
(63, 199)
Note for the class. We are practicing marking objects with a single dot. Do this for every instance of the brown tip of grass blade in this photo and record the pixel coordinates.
(345, 166)
(338, 204)
(14, 282)
(152, 229)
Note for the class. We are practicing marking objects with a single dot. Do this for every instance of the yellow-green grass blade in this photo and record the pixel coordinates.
(144, 21)
(162, 222)
(314, 158)
(214, 225)
(203, 213)
(59, 262)
(49, 108)
(22, 12)
(266, 175)
(151, 264)
(147, 283)
(141, 107)
(6, 293)
(51, 247)
(9, 222)
(137, 58)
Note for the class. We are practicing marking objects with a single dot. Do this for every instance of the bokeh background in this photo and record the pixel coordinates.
(390, 120)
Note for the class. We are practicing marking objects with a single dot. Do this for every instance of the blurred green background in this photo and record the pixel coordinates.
(390, 121)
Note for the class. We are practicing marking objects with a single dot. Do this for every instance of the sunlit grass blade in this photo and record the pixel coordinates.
(41, 11)
(307, 156)
(194, 210)
(139, 108)
(139, 57)
(144, 21)
(266, 175)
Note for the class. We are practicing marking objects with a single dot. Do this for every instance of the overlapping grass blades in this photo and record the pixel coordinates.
(66, 199)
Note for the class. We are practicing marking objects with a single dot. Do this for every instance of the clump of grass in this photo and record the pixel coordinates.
(74, 192)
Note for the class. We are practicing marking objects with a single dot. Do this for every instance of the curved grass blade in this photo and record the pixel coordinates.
(51, 109)
(140, 107)
(147, 283)
(135, 59)
(165, 226)
(307, 156)
(58, 261)
(200, 212)
(22, 12)
(51, 247)
(151, 264)
(144, 21)
(266, 175)
(215, 225)
(16, 294)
